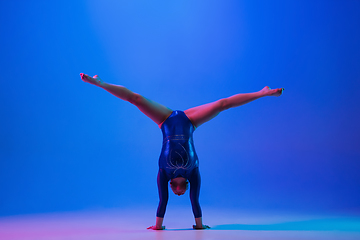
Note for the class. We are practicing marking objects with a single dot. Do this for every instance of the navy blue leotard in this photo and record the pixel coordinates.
(178, 159)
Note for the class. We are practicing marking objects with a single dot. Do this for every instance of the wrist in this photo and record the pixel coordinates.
(159, 222)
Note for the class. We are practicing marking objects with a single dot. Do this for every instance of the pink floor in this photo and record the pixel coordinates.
(132, 223)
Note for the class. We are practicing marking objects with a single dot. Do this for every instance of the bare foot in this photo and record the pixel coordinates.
(272, 92)
(96, 80)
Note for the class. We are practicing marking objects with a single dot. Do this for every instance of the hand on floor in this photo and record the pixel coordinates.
(201, 227)
(156, 228)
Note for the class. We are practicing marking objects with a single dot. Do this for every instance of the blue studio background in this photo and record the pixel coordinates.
(66, 145)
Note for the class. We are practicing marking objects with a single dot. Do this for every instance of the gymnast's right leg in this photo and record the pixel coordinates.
(203, 113)
(155, 111)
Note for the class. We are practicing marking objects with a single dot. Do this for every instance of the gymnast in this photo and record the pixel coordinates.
(178, 162)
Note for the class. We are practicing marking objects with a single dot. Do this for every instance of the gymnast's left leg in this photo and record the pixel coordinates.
(203, 113)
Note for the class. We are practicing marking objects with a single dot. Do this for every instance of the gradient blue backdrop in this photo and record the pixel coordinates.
(66, 145)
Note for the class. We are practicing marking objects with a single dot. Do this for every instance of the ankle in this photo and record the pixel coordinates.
(101, 84)
(262, 93)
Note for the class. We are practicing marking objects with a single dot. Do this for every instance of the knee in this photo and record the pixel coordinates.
(223, 104)
(136, 99)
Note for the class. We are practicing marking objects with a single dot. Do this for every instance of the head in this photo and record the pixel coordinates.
(179, 185)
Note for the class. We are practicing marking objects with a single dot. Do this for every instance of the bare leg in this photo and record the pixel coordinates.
(201, 114)
(155, 111)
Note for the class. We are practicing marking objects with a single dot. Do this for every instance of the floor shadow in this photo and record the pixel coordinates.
(179, 229)
(343, 224)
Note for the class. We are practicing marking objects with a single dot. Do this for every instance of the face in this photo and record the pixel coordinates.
(179, 188)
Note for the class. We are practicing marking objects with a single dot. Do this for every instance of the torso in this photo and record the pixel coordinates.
(178, 157)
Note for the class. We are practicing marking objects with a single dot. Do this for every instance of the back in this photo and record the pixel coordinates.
(178, 156)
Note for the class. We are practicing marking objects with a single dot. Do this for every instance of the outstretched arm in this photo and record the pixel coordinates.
(155, 111)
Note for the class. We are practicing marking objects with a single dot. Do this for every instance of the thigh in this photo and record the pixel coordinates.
(155, 111)
(203, 113)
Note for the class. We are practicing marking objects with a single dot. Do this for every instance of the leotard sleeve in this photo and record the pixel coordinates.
(195, 181)
(162, 182)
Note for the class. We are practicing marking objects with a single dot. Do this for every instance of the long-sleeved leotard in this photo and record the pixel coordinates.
(178, 159)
